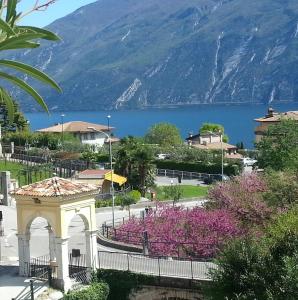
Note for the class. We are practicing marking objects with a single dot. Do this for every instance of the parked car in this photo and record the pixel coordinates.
(210, 179)
(248, 162)
(163, 156)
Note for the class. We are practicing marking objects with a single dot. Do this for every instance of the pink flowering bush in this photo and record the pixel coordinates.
(243, 197)
(176, 231)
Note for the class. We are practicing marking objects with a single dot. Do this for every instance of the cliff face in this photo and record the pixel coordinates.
(143, 53)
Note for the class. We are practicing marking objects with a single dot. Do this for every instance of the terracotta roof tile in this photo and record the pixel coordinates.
(290, 115)
(54, 187)
(76, 126)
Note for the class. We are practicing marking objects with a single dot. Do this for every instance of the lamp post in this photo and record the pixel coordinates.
(222, 155)
(111, 166)
(109, 117)
(62, 130)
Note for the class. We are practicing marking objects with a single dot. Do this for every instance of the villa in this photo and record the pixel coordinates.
(272, 118)
(212, 141)
(88, 133)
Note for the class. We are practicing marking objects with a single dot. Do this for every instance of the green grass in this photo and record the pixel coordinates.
(188, 191)
(17, 171)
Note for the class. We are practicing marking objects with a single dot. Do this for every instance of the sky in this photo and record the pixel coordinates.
(57, 10)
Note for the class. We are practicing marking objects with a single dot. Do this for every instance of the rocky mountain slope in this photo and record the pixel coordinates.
(151, 53)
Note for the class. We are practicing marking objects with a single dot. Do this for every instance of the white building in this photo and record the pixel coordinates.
(88, 133)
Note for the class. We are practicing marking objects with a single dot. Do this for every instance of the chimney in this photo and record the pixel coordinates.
(270, 113)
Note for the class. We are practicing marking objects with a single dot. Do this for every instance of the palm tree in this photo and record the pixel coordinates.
(14, 37)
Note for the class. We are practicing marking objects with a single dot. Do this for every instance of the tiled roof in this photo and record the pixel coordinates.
(95, 174)
(214, 146)
(76, 126)
(54, 187)
(290, 115)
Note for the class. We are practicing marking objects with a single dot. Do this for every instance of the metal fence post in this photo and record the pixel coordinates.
(158, 267)
(98, 254)
(127, 255)
(191, 268)
(31, 289)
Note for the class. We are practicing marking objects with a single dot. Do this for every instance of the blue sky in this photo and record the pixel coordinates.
(55, 11)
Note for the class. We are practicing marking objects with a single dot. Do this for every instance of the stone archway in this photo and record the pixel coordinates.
(57, 200)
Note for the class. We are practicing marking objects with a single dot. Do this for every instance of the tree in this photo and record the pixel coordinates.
(278, 149)
(215, 128)
(134, 160)
(163, 134)
(260, 268)
(17, 123)
(15, 37)
(243, 197)
(282, 188)
(173, 192)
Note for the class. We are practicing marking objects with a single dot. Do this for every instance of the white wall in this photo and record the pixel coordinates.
(93, 138)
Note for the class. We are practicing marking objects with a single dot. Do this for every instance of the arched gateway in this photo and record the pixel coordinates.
(57, 200)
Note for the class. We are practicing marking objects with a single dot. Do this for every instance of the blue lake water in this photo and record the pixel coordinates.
(238, 120)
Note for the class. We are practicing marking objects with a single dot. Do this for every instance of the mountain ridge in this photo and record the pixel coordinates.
(121, 54)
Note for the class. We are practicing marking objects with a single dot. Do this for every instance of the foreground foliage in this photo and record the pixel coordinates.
(96, 291)
(15, 37)
(260, 268)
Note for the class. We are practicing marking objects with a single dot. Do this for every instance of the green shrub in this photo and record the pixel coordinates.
(134, 194)
(96, 291)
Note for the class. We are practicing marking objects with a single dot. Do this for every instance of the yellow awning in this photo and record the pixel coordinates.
(116, 178)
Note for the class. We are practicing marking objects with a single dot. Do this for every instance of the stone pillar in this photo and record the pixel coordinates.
(11, 148)
(63, 281)
(5, 183)
(24, 254)
(91, 249)
(52, 244)
(1, 153)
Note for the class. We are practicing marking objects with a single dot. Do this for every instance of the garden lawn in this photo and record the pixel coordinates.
(188, 191)
(17, 171)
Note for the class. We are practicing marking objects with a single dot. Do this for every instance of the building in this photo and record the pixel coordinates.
(102, 178)
(272, 118)
(88, 133)
(212, 141)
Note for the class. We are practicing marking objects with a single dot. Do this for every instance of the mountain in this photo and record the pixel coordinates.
(152, 53)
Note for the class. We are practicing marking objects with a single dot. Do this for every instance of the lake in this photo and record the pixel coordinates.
(238, 120)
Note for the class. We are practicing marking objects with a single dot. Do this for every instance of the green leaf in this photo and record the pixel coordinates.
(7, 100)
(11, 9)
(48, 35)
(5, 27)
(18, 41)
(31, 71)
(27, 88)
(23, 45)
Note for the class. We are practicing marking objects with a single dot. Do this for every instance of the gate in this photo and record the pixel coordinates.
(79, 273)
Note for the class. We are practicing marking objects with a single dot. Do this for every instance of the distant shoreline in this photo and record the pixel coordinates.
(172, 106)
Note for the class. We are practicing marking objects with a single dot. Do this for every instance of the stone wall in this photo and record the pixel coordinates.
(163, 293)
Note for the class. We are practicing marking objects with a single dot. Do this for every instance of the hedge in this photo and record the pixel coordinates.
(229, 170)
(121, 283)
(96, 291)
